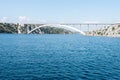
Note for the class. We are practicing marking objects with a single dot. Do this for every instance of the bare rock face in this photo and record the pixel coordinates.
(113, 31)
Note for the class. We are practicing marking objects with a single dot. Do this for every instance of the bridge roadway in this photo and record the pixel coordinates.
(76, 23)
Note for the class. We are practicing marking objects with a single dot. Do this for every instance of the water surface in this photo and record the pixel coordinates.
(59, 57)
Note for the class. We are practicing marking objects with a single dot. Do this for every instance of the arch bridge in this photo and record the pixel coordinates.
(75, 27)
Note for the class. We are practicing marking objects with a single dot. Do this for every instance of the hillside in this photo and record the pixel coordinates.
(113, 31)
(51, 30)
(8, 28)
(12, 28)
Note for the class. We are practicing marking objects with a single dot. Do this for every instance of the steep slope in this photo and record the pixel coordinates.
(8, 28)
(113, 31)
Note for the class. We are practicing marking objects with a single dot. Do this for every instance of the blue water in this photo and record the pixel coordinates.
(59, 57)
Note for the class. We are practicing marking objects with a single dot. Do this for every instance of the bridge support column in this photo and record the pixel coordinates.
(27, 29)
(18, 28)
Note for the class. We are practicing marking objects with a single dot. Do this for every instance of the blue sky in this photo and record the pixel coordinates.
(75, 11)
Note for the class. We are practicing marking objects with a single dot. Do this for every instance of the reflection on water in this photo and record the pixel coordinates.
(59, 57)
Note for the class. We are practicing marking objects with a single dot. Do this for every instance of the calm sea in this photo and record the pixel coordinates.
(59, 57)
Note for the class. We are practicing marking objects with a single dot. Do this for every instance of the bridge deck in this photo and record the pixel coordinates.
(77, 23)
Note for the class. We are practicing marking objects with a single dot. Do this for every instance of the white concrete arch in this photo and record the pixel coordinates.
(59, 26)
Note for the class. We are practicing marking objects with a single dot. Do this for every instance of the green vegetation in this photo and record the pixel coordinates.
(8, 28)
(109, 31)
(99, 33)
(54, 30)
(113, 28)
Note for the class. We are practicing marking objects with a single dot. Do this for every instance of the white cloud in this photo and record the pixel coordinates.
(3, 19)
(23, 19)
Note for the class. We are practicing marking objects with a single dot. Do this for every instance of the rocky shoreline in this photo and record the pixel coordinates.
(109, 31)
